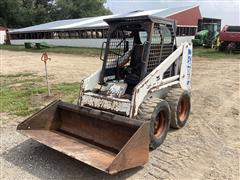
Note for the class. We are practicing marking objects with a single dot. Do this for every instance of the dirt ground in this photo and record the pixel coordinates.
(64, 68)
(208, 147)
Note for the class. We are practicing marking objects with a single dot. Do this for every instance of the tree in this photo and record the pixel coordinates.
(70, 9)
(36, 12)
(23, 13)
(8, 14)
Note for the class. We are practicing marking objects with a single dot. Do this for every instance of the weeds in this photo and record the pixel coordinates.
(25, 93)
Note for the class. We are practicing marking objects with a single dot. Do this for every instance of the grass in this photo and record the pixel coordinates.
(198, 51)
(213, 53)
(56, 49)
(22, 96)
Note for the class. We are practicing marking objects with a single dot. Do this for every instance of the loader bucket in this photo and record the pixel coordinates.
(106, 141)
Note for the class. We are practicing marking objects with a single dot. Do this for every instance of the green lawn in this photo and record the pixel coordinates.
(56, 49)
(25, 93)
(213, 53)
(197, 51)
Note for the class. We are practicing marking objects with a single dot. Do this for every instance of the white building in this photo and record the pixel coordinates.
(92, 31)
(2, 35)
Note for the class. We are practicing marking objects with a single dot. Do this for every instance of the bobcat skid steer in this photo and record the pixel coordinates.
(128, 105)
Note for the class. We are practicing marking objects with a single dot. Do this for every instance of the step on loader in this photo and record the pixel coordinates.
(127, 106)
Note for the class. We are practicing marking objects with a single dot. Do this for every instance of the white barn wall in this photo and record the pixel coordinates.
(92, 43)
(2, 37)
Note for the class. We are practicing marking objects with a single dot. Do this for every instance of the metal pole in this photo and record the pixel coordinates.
(49, 93)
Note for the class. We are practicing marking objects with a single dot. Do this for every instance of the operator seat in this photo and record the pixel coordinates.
(133, 78)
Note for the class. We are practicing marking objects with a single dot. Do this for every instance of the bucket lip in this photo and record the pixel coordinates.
(24, 132)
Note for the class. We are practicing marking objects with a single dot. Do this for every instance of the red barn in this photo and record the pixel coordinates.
(187, 17)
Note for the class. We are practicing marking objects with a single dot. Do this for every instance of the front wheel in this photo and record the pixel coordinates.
(157, 111)
(180, 105)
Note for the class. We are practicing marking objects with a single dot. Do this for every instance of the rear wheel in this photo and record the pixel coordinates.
(157, 111)
(180, 105)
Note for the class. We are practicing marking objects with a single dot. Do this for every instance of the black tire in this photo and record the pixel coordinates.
(223, 46)
(231, 47)
(157, 111)
(180, 105)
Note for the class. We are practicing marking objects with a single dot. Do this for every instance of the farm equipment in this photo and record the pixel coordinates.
(39, 45)
(206, 37)
(126, 106)
(230, 38)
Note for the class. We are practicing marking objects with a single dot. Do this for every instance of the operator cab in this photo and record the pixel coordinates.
(134, 47)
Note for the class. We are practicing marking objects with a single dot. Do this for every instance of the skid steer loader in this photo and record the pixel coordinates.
(129, 104)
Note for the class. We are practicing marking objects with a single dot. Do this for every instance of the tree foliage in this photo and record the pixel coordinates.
(23, 13)
(71, 9)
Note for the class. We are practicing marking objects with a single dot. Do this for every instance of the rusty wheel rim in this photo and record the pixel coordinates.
(159, 124)
(183, 109)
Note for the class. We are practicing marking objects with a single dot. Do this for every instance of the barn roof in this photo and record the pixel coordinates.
(95, 22)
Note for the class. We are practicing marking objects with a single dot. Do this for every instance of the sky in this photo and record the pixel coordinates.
(227, 10)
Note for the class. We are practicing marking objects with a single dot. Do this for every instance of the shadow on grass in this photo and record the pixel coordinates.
(46, 163)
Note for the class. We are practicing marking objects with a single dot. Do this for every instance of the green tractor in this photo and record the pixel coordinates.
(207, 37)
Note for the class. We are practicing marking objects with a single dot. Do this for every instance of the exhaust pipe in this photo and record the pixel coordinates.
(103, 140)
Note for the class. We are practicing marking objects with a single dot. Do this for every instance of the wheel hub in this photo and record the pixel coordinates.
(184, 108)
(159, 125)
